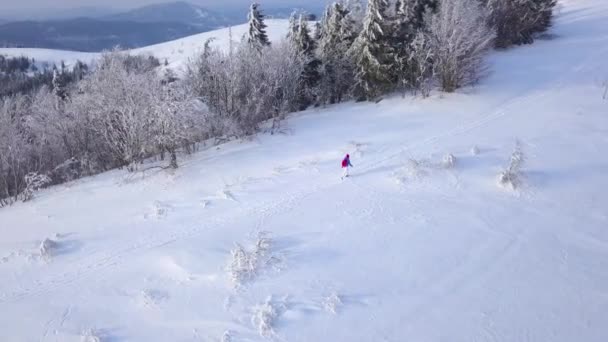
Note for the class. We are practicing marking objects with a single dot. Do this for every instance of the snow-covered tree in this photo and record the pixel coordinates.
(292, 30)
(246, 87)
(356, 11)
(336, 38)
(176, 121)
(373, 53)
(412, 12)
(257, 38)
(459, 38)
(516, 21)
(306, 46)
(418, 65)
(409, 21)
(59, 84)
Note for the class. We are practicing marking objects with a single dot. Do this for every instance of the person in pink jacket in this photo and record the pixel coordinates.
(345, 165)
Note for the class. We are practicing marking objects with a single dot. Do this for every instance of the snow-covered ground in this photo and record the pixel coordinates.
(408, 249)
(177, 52)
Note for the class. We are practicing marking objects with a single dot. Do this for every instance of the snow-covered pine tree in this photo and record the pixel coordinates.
(373, 53)
(59, 84)
(412, 12)
(409, 22)
(293, 26)
(356, 10)
(336, 38)
(257, 38)
(306, 46)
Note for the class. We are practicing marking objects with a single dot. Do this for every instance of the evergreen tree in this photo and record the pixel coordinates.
(305, 47)
(373, 53)
(336, 38)
(409, 20)
(410, 13)
(293, 26)
(59, 84)
(356, 10)
(258, 38)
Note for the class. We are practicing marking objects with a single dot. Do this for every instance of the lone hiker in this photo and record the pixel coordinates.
(345, 165)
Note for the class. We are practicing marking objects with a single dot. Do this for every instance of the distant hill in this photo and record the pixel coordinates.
(90, 35)
(98, 30)
(179, 12)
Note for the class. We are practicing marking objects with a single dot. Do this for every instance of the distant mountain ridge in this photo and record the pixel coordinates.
(142, 26)
(179, 12)
(90, 35)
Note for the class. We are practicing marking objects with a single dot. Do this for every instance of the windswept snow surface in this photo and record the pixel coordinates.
(408, 249)
(177, 52)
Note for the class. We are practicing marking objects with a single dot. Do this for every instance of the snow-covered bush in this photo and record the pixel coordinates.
(90, 335)
(511, 176)
(16, 153)
(47, 248)
(33, 183)
(516, 21)
(245, 264)
(459, 38)
(158, 210)
(449, 161)
(265, 316)
(475, 151)
(227, 336)
(332, 303)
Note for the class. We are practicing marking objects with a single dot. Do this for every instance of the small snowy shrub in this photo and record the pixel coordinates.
(474, 151)
(33, 183)
(448, 162)
(47, 247)
(265, 316)
(511, 176)
(159, 210)
(227, 336)
(89, 336)
(332, 303)
(245, 264)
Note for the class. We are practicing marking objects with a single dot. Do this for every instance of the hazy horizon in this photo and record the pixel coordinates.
(23, 6)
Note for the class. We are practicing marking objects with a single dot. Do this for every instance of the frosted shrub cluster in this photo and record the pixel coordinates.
(47, 248)
(448, 162)
(245, 264)
(511, 176)
(265, 315)
(332, 303)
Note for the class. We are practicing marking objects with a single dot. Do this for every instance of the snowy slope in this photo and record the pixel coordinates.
(398, 252)
(176, 52)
